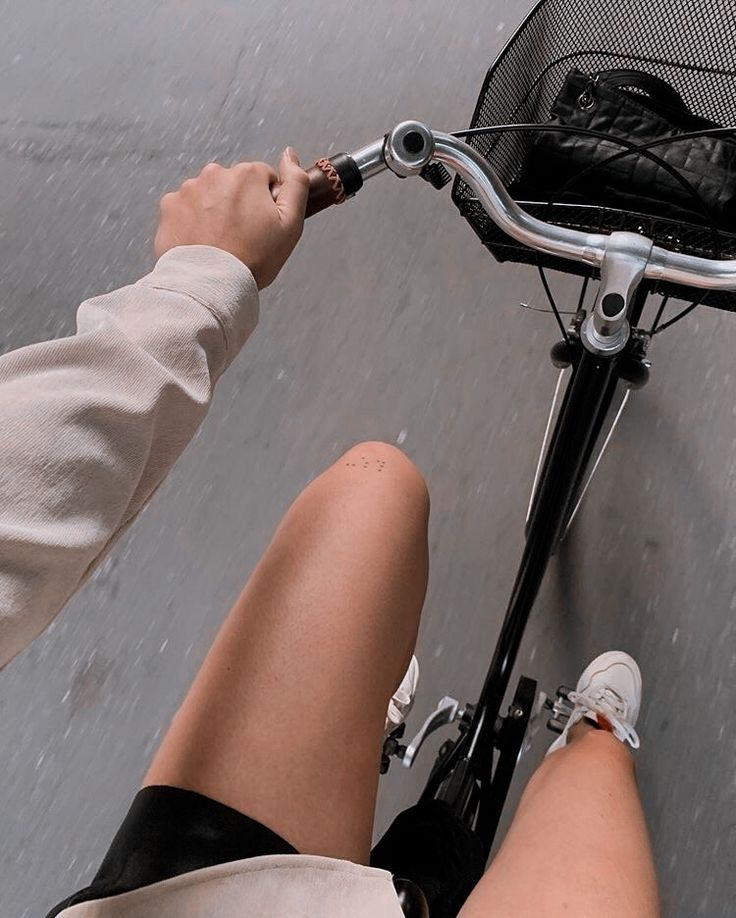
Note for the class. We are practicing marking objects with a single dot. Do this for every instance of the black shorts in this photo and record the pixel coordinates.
(168, 832)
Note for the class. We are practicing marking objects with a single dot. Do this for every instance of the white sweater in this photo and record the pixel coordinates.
(90, 425)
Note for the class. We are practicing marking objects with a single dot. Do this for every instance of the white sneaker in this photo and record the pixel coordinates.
(608, 694)
(403, 698)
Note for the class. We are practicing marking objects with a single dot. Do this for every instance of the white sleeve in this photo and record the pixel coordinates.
(90, 425)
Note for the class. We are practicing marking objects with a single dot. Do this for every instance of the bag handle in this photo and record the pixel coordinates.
(658, 91)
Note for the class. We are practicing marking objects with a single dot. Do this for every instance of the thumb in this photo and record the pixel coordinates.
(293, 192)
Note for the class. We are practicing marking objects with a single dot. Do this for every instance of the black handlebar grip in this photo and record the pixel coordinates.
(332, 181)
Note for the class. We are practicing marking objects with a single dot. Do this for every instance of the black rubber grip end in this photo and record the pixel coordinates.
(352, 180)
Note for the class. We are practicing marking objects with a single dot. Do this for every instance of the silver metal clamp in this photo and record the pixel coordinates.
(606, 331)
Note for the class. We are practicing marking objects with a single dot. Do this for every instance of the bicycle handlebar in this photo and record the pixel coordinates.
(625, 259)
(411, 146)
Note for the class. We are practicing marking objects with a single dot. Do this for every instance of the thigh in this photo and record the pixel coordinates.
(285, 720)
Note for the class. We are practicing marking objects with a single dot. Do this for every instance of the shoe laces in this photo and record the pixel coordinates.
(607, 701)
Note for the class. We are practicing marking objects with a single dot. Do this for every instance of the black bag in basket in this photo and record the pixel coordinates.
(638, 107)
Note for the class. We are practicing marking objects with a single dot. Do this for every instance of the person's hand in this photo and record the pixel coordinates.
(234, 209)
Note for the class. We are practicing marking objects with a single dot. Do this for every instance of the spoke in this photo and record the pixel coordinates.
(583, 291)
(562, 312)
(552, 302)
(598, 460)
(544, 444)
(658, 317)
(680, 315)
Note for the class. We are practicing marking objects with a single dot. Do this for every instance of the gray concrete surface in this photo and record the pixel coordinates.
(390, 322)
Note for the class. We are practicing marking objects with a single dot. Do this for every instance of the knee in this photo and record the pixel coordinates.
(375, 481)
(386, 470)
(372, 483)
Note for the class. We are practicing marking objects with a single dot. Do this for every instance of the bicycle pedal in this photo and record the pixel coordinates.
(448, 711)
(555, 725)
(392, 747)
(541, 704)
(564, 692)
(561, 708)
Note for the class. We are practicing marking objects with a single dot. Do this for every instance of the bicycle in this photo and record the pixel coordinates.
(635, 256)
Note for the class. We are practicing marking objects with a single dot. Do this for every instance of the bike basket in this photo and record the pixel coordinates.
(692, 46)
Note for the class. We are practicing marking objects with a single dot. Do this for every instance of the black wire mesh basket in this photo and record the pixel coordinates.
(690, 45)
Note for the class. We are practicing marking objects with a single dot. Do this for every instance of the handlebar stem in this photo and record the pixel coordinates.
(606, 330)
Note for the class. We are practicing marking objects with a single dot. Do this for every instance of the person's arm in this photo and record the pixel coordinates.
(91, 424)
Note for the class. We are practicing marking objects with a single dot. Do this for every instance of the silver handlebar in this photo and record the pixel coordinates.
(623, 258)
(506, 213)
(674, 267)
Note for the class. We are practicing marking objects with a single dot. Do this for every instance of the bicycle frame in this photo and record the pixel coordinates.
(473, 754)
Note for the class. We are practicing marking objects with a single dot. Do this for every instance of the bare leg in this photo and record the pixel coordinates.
(578, 846)
(285, 719)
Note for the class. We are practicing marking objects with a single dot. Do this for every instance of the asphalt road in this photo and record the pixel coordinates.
(390, 322)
